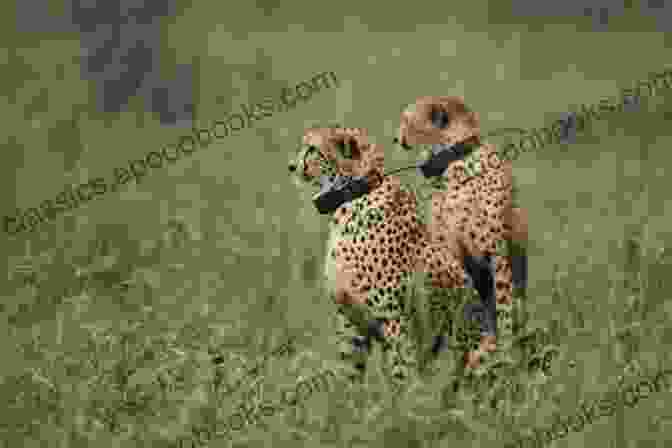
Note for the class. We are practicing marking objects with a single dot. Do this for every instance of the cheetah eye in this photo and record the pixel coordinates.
(439, 118)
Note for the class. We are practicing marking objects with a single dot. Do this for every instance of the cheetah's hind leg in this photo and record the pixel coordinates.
(518, 255)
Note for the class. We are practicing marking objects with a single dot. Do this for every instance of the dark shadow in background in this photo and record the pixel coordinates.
(120, 43)
(600, 13)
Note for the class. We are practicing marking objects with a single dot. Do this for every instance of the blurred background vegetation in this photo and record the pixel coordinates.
(112, 314)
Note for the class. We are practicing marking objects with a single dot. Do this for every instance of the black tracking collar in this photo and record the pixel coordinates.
(439, 160)
(344, 189)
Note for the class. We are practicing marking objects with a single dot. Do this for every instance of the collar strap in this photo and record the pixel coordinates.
(344, 190)
(439, 161)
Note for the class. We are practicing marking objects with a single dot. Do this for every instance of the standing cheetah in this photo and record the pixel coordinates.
(473, 207)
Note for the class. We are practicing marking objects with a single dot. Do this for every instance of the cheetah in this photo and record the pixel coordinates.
(377, 244)
(473, 205)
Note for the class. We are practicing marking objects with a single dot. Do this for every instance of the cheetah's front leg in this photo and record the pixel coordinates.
(502, 321)
(400, 351)
(482, 270)
(357, 329)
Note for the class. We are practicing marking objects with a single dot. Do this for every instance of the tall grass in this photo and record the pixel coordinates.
(145, 380)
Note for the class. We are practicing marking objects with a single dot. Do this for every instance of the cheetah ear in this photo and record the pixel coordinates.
(475, 119)
(440, 118)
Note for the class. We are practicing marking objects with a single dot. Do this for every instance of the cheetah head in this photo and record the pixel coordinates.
(337, 164)
(437, 121)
